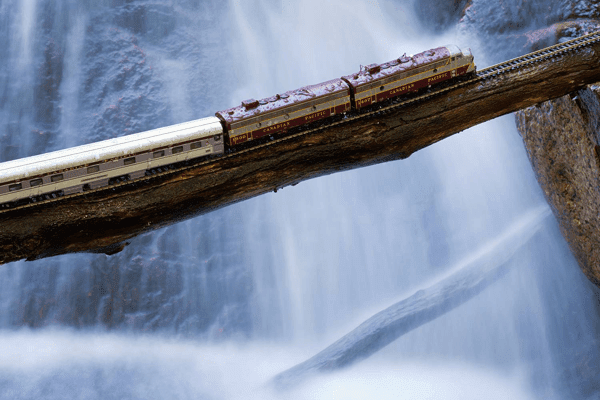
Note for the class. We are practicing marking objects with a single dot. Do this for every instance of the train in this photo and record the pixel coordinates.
(133, 157)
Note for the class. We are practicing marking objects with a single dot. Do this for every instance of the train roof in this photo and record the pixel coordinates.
(25, 168)
(404, 63)
(253, 108)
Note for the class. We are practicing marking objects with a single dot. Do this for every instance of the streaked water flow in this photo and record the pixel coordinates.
(215, 306)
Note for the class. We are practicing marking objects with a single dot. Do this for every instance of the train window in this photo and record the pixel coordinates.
(158, 154)
(177, 149)
(93, 169)
(16, 186)
(57, 177)
(35, 182)
(129, 161)
(217, 138)
(195, 145)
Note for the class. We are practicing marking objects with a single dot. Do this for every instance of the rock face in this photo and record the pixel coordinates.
(439, 15)
(98, 71)
(562, 138)
(560, 135)
(521, 26)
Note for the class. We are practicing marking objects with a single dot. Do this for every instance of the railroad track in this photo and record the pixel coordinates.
(491, 72)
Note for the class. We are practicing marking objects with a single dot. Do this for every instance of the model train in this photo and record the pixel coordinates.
(96, 165)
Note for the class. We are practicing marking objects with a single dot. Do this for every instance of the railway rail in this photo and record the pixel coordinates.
(492, 72)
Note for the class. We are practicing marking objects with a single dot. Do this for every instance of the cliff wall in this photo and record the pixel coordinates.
(562, 141)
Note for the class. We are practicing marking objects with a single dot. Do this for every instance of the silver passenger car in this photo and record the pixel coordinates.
(99, 164)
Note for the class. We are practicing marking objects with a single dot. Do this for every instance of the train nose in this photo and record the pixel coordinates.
(454, 50)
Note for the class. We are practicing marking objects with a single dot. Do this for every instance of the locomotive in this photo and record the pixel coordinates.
(132, 157)
(373, 84)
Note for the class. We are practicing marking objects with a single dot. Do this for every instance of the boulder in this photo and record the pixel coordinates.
(563, 144)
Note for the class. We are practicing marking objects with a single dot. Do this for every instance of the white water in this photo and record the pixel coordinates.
(336, 248)
(330, 252)
(85, 366)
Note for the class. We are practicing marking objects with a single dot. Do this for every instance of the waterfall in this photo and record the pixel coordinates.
(215, 306)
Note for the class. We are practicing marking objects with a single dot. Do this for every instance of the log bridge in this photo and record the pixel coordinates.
(103, 221)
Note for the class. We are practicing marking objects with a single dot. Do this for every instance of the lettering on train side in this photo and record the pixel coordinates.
(276, 127)
(361, 102)
(310, 117)
(402, 88)
(239, 138)
(437, 77)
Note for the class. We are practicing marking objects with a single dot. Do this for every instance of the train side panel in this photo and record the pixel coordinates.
(378, 82)
(254, 119)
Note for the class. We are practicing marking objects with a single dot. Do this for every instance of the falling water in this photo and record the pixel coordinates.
(216, 306)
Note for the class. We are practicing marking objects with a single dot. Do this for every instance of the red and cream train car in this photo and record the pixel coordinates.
(372, 84)
(378, 82)
(257, 118)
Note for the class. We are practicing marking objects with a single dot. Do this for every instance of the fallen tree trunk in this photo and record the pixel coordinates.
(470, 278)
(104, 221)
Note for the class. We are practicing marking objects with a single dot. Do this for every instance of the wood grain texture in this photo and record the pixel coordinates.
(104, 221)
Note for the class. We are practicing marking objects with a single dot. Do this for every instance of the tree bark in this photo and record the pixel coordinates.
(104, 221)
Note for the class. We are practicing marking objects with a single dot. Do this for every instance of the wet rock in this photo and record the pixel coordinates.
(128, 65)
(514, 16)
(580, 9)
(154, 20)
(561, 137)
(438, 15)
(50, 77)
(37, 296)
(559, 134)
(516, 27)
(120, 84)
(557, 33)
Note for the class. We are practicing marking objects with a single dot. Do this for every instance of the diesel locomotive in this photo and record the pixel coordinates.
(133, 157)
